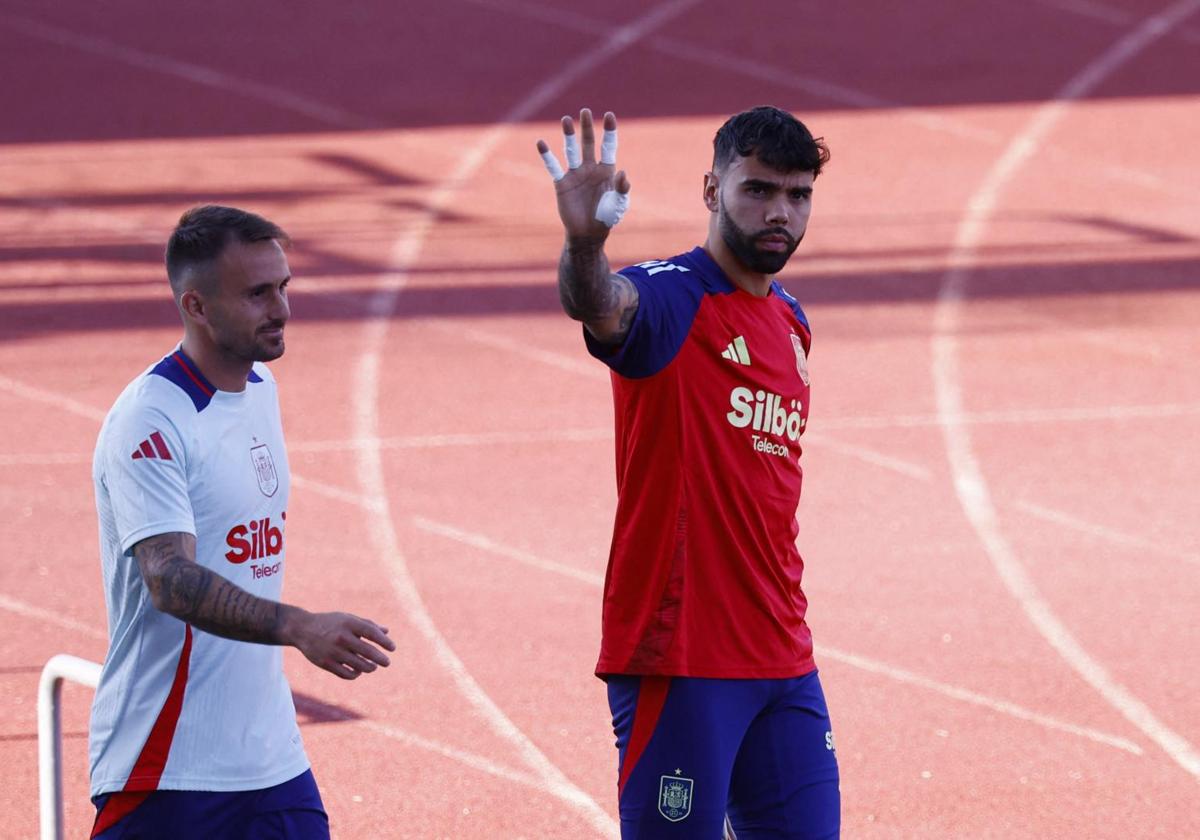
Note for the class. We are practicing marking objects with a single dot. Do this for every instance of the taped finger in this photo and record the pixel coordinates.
(608, 147)
(574, 153)
(612, 207)
(552, 165)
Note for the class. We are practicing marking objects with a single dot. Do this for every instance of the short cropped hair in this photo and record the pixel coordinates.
(204, 232)
(774, 136)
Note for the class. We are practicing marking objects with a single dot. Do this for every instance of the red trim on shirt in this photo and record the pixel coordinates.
(183, 363)
(148, 768)
(652, 695)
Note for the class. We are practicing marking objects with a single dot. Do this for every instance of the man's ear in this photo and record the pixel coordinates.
(192, 305)
(711, 188)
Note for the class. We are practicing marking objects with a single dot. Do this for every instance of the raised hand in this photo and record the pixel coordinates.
(592, 196)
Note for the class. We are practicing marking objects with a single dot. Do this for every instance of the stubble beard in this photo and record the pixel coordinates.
(743, 247)
(257, 348)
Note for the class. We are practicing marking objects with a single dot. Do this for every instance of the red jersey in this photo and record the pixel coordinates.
(710, 390)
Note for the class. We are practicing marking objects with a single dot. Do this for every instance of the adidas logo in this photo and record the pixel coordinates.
(152, 447)
(736, 352)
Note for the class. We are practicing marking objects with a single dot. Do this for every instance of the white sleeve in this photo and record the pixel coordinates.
(146, 478)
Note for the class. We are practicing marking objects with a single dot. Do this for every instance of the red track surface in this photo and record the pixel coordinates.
(1002, 452)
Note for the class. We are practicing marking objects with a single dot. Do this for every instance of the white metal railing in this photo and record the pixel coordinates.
(61, 667)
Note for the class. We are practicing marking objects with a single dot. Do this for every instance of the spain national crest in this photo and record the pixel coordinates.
(801, 358)
(264, 469)
(675, 797)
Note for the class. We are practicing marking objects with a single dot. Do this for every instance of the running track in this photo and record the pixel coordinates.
(1003, 275)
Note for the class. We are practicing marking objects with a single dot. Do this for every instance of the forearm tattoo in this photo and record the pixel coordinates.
(181, 587)
(590, 293)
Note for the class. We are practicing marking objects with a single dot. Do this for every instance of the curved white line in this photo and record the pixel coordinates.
(898, 674)
(970, 484)
(284, 100)
(366, 407)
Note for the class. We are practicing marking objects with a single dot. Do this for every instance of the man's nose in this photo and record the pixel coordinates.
(281, 310)
(777, 213)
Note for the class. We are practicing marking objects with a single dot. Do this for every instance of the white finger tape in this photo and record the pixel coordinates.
(552, 165)
(612, 207)
(574, 155)
(608, 147)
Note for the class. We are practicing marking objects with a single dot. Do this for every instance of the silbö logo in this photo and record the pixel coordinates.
(765, 412)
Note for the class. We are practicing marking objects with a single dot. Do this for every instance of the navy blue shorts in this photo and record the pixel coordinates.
(693, 750)
(289, 811)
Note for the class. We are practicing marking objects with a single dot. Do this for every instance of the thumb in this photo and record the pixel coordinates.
(622, 182)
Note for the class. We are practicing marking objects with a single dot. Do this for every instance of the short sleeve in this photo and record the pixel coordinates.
(669, 296)
(145, 475)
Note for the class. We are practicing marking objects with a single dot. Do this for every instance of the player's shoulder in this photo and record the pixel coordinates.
(693, 272)
(694, 267)
(795, 309)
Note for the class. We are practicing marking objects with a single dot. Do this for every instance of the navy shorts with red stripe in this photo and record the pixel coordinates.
(693, 750)
(289, 811)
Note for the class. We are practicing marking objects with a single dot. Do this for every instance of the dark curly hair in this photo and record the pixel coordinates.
(773, 136)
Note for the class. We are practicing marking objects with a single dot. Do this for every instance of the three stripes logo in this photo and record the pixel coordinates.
(152, 447)
(736, 352)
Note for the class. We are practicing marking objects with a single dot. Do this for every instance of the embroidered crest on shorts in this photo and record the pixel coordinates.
(264, 469)
(801, 358)
(675, 797)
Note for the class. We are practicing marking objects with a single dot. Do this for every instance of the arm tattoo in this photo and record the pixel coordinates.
(589, 292)
(181, 587)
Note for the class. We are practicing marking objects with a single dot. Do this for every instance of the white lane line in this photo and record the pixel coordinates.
(51, 398)
(572, 364)
(835, 92)
(469, 759)
(366, 391)
(457, 439)
(912, 470)
(486, 544)
(870, 456)
(198, 74)
(1113, 16)
(38, 614)
(969, 481)
(1103, 532)
(339, 494)
(483, 542)
(1019, 416)
(591, 366)
(957, 693)
(473, 760)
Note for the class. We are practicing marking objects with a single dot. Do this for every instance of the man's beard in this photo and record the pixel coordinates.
(744, 247)
(257, 348)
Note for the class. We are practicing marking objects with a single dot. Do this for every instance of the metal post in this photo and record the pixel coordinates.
(60, 667)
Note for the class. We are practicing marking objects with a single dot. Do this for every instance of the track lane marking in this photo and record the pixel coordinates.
(970, 483)
(910, 469)
(832, 91)
(596, 581)
(405, 251)
(469, 759)
(198, 74)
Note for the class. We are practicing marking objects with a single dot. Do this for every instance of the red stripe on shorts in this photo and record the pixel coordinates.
(652, 695)
(118, 806)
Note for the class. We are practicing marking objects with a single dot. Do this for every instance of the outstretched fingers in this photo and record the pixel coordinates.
(588, 132)
(552, 165)
(608, 144)
(579, 148)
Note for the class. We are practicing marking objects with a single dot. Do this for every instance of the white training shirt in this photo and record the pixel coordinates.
(178, 708)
